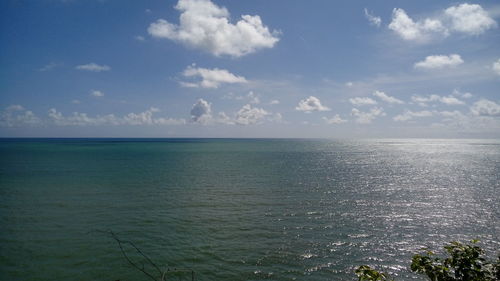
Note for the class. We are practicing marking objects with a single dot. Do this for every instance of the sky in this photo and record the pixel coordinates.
(278, 69)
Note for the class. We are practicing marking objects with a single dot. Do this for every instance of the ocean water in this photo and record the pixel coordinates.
(240, 209)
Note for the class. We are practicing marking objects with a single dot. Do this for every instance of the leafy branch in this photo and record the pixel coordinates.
(464, 263)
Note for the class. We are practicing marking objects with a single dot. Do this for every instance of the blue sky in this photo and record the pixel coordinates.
(199, 68)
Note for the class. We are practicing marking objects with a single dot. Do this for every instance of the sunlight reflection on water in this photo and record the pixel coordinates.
(243, 209)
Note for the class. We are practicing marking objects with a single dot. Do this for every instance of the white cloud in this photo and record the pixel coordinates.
(469, 18)
(93, 67)
(386, 98)
(277, 117)
(201, 112)
(222, 118)
(463, 95)
(96, 93)
(475, 122)
(374, 20)
(80, 119)
(496, 67)
(18, 116)
(254, 99)
(251, 98)
(210, 78)
(75, 102)
(311, 104)
(422, 101)
(449, 100)
(15, 107)
(349, 84)
(485, 107)
(362, 101)
(50, 66)
(454, 113)
(232, 96)
(204, 25)
(140, 38)
(408, 115)
(336, 119)
(249, 115)
(141, 118)
(458, 119)
(132, 119)
(367, 117)
(273, 102)
(439, 61)
(410, 30)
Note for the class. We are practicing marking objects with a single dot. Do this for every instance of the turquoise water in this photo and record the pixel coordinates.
(240, 209)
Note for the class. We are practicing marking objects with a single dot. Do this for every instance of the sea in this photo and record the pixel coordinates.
(240, 209)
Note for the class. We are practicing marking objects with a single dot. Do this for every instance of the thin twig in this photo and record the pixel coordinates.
(142, 267)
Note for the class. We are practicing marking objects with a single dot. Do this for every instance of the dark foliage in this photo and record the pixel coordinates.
(465, 262)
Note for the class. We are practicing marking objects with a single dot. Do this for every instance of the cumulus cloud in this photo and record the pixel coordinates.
(81, 119)
(422, 101)
(222, 118)
(204, 25)
(277, 117)
(408, 115)
(458, 119)
(249, 115)
(94, 67)
(362, 101)
(254, 98)
(201, 112)
(451, 114)
(210, 78)
(374, 20)
(496, 67)
(410, 30)
(448, 100)
(311, 104)
(18, 116)
(134, 119)
(367, 117)
(273, 102)
(439, 61)
(15, 107)
(145, 117)
(466, 95)
(336, 119)
(485, 107)
(473, 122)
(469, 19)
(96, 93)
(386, 98)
